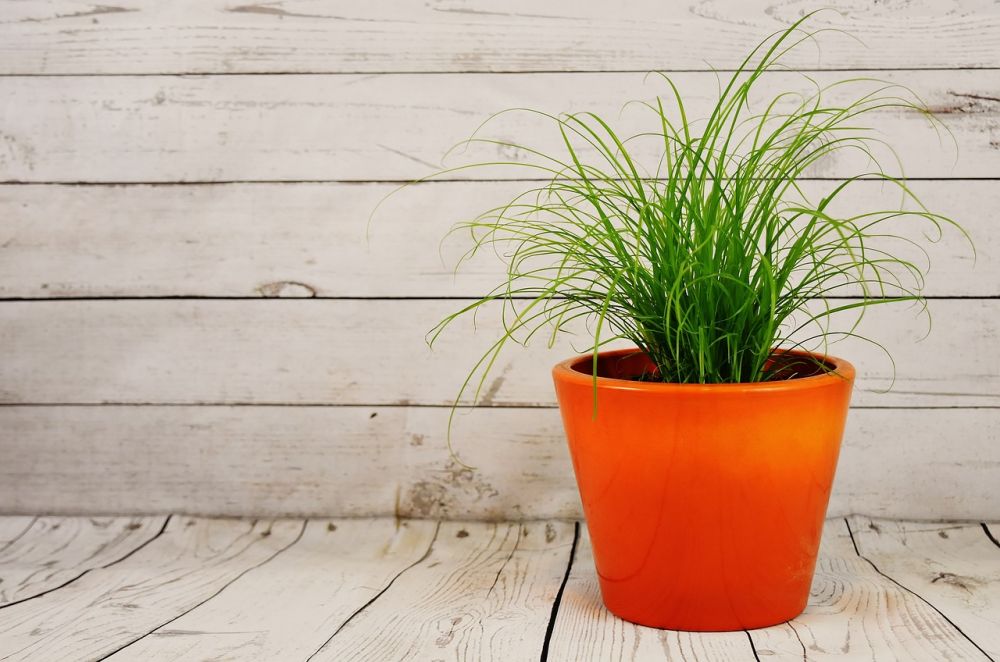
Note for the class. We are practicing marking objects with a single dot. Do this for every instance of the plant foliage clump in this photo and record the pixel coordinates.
(715, 256)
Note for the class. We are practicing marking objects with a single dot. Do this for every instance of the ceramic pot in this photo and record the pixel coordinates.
(704, 503)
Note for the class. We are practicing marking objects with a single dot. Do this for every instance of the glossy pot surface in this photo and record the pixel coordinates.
(704, 503)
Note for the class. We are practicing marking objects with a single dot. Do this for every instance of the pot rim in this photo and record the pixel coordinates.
(564, 371)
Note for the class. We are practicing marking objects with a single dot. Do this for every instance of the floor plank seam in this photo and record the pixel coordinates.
(989, 534)
(163, 529)
(753, 647)
(221, 589)
(550, 628)
(805, 655)
(914, 593)
(88, 570)
(517, 541)
(360, 609)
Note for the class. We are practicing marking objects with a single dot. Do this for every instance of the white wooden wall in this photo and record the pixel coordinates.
(191, 319)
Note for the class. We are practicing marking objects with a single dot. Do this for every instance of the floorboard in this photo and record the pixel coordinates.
(111, 607)
(50, 552)
(955, 569)
(183, 588)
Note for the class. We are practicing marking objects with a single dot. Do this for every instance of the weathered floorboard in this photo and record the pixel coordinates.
(55, 550)
(288, 609)
(302, 240)
(856, 612)
(286, 351)
(423, 590)
(586, 630)
(484, 592)
(115, 605)
(853, 611)
(143, 36)
(398, 127)
(364, 461)
(956, 568)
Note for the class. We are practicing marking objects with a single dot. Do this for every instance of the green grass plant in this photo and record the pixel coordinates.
(714, 257)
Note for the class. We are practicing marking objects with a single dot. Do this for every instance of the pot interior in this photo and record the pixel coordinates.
(637, 366)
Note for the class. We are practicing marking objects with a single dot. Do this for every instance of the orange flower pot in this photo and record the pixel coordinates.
(705, 503)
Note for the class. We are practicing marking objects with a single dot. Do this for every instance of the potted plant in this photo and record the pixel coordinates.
(705, 451)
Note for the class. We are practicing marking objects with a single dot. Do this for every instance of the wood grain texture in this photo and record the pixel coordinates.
(586, 630)
(115, 605)
(124, 93)
(57, 550)
(956, 568)
(360, 461)
(142, 36)
(374, 352)
(288, 608)
(397, 127)
(856, 613)
(402, 589)
(12, 528)
(302, 240)
(484, 592)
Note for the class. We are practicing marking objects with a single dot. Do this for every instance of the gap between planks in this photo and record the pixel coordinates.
(477, 72)
(470, 297)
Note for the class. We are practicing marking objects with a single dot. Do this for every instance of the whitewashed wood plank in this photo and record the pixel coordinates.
(374, 352)
(358, 461)
(954, 567)
(350, 461)
(484, 592)
(586, 630)
(857, 613)
(288, 608)
(57, 550)
(113, 606)
(391, 127)
(142, 36)
(892, 464)
(249, 240)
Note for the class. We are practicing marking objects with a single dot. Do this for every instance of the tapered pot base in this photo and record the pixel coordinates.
(697, 622)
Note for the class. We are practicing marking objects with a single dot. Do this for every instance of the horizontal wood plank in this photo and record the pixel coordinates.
(956, 568)
(360, 461)
(110, 608)
(142, 36)
(251, 240)
(397, 127)
(289, 608)
(288, 351)
(57, 550)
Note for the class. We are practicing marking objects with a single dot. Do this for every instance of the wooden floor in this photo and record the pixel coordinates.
(170, 588)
